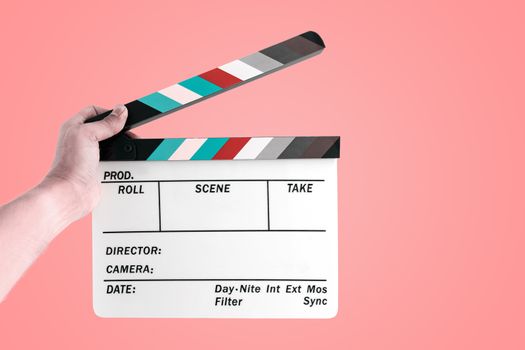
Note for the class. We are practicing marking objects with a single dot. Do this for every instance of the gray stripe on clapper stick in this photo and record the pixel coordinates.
(275, 148)
(297, 147)
(261, 62)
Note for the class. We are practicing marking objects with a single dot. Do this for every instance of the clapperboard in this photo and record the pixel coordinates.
(231, 227)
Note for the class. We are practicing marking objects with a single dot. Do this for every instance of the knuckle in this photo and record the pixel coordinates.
(112, 123)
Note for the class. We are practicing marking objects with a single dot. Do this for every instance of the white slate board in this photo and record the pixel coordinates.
(220, 239)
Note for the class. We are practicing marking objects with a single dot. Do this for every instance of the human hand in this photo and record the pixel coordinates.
(69, 191)
(74, 170)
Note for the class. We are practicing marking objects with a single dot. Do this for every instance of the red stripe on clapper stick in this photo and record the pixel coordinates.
(220, 78)
(230, 149)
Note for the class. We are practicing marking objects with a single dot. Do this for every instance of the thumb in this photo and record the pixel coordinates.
(110, 125)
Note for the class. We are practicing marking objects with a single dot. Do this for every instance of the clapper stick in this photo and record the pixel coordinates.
(201, 87)
(221, 79)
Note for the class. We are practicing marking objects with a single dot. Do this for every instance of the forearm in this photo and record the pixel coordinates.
(29, 223)
(70, 190)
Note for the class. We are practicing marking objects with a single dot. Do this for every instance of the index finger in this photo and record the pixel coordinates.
(86, 113)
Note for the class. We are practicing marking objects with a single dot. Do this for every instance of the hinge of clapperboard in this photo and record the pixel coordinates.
(211, 83)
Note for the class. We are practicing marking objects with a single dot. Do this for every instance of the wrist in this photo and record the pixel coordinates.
(62, 201)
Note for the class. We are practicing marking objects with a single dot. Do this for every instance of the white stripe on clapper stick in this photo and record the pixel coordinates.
(180, 94)
(253, 147)
(240, 70)
(187, 149)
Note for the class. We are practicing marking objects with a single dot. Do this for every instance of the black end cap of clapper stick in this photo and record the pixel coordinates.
(295, 49)
(334, 151)
(118, 147)
(124, 147)
(314, 37)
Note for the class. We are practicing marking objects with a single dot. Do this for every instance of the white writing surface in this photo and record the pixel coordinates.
(246, 239)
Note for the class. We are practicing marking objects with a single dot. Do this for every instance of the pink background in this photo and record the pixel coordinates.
(428, 99)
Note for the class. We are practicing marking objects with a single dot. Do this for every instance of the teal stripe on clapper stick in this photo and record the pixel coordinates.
(159, 102)
(165, 149)
(209, 148)
(200, 86)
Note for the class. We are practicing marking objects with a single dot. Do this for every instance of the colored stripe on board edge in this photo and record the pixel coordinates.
(235, 148)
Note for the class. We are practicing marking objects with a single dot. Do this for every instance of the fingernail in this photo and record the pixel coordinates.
(119, 109)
